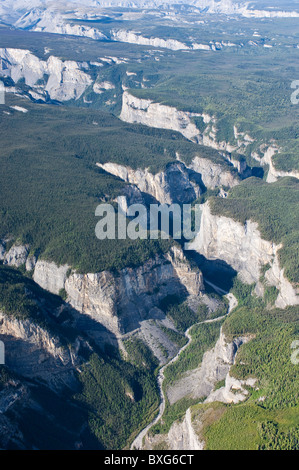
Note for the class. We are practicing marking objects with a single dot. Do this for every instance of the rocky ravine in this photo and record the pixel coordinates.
(197, 384)
(178, 183)
(149, 113)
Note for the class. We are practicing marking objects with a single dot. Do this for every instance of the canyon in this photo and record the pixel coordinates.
(153, 114)
(156, 100)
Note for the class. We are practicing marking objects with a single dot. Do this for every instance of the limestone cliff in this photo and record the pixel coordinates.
(159, 116)
(120, 301)
(50, 276)
(149, 113)
(242, 247)
(215, 175)
(110, 305)
(16, 256)
(66, 80)
(170, 186)
(178, 183)
(34, 352)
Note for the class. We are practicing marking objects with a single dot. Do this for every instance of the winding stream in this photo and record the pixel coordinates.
(137, 444)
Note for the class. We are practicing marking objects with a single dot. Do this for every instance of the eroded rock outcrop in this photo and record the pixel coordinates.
(182, 436)
(66, 80)
(234, 390)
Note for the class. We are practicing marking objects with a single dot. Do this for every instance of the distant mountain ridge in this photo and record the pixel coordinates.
(14, 12)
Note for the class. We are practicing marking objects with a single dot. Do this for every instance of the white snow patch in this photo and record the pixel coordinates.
(20, 109)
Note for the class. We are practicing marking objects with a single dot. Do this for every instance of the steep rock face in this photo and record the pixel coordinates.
(33, 352)
(288, 295)
(242, 247)
(160, 116)
(190, 279)
(170, 186)
(213, 175)
(16, 256)
(156, 115)
(239, 245)
(117, 303)
(95, 295)
(215, 366)
(121, 301)
(31, 263)
(50, 276)
(65, 80)
(182, 436)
